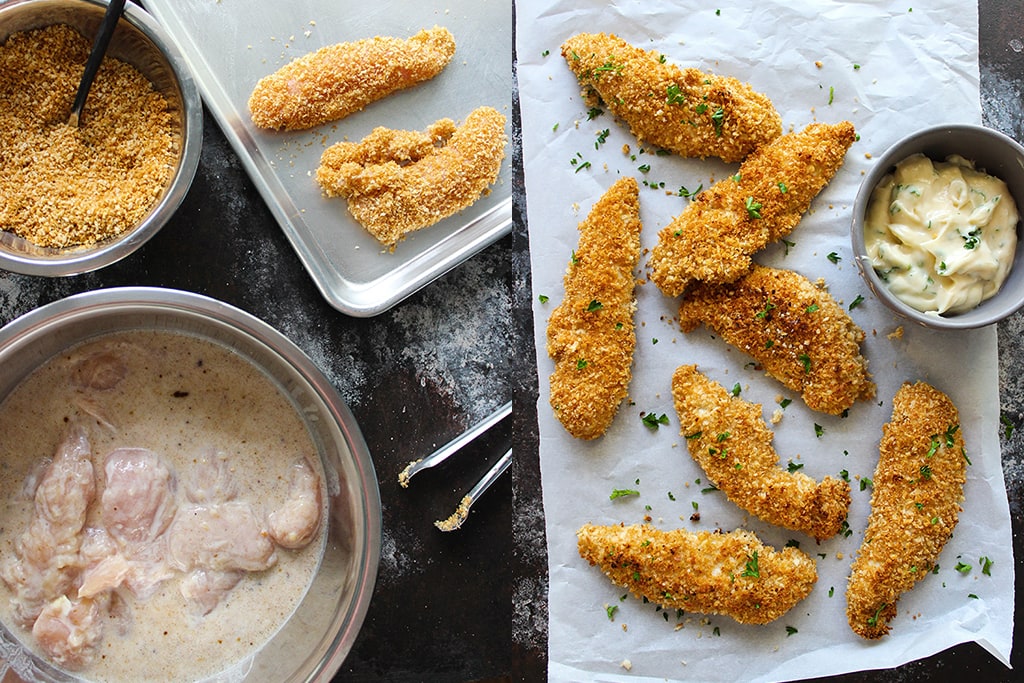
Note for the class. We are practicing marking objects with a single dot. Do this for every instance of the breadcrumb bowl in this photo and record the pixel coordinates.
(311, 643)
(990, 151)
(140, 42)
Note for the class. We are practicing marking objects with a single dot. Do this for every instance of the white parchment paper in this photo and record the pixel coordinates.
(889, 69)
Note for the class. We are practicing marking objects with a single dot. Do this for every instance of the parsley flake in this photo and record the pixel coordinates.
(652, 420)
(620, 493)
(750, 568)
(753, 208)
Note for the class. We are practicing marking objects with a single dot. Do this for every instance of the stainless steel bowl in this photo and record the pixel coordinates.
(992, 152)
(318, 636)
(141, 42)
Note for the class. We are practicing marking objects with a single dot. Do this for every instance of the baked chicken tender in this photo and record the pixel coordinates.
(338, 80)
(686, 111)
(398, 181)
(714, 237)
(590, 335)
(915, 503)
(793, 328)
(706, 571)
(729, 439)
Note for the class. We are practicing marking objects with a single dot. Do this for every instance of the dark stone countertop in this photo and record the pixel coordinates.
(1001, 33)
(414, 377)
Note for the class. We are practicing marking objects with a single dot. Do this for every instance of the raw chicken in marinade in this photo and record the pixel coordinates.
(295, 523)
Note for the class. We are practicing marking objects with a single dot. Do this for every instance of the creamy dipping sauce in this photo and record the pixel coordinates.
(195, 405)
(941, 235)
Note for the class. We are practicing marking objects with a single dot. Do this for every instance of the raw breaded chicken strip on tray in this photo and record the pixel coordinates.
(793, 328)
(729, 439)
(714, 237)
(686, 111)
(398, 181)
(707, 572)
(338, 80)
(915, 505)
(590, 335)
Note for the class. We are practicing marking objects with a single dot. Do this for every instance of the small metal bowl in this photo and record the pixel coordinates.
(141, 42)
(313, 642)
(992, 152)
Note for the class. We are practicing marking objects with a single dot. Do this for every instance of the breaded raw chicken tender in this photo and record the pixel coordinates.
(338, 80)
(714, 237)
(915, 504)
(793, 328)
(706, 571)
(398, 181)
(729, 439)
(590, 334)
(686, 111)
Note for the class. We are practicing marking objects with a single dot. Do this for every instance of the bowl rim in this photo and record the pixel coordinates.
(905, 146)
(118, 247)
(43, 320)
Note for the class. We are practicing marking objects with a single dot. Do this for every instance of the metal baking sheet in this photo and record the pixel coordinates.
(231, 44)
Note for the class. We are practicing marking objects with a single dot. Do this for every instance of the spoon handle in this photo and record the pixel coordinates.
(99, 48)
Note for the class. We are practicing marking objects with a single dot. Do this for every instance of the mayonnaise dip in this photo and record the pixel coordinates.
(941, 235)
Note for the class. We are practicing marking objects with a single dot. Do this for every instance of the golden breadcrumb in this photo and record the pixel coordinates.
(590, 334)
(713, 239)
(729, 439)
(915, 504)
(706, 572)
(338, 80)
(795, 329)
(398, 181)
(686, 111)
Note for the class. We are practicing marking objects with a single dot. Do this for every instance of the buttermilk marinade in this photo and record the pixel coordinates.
(217, 442)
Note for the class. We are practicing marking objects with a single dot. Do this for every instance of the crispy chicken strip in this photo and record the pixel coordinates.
(731, 442)
(399, 181)
(795, 329)
(590, 334)
(338, 80)
(915, 503)
(713, 239)
(686, 111)
(707, 572)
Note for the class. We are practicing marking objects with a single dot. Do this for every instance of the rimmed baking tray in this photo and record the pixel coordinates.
(230, 44)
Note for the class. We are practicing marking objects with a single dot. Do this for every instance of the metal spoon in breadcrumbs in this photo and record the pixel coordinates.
(99, 48)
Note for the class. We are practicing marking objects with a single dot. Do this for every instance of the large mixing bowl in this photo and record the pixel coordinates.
(311, 645)
(140, 41)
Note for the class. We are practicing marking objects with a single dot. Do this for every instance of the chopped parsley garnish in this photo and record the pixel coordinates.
(753, 208)
(610, 611)
(573, 258)
(619, 493)
(766, 312)
(856, 302)
(1007, 425)
(866, 482)
(831, 94)
(690, 194)
(594, 305)
(784, 403)
(818, 430)
(926, 471)
(794, 466)
(934, 447)
(652, 421)
(723, 436)
(644, 168)
(593, 113)
(695, 435)
(717, 118)
(831, 591)
(788, 245)
(581, 363)
(834, 257)
(750, 568)
(790, 630)
(812, 308)
(674, 95)
(792, 543)
(962, 568)
(986, 566)
(736, 389)
(972, 239)
(783, 188)
(950, 433)
(844, 475)
(543, 298)
(873, 620)
(806, 361)
(602, 137)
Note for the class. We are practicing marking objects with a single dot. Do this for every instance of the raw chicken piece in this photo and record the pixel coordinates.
(297, 521)
(223, 537)
(45, 559)
(205, 589)
(105, 575)
(138, 501)
(102, 370)
(211, 480)
(69, 632)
